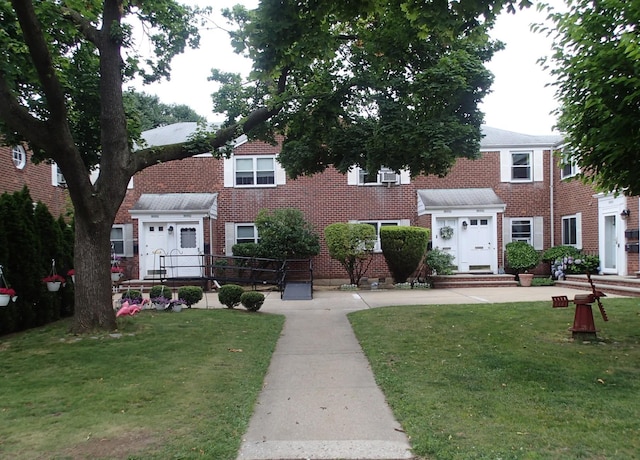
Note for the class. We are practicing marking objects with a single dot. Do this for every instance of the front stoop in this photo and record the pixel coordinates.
(472, 280)
(628, 286)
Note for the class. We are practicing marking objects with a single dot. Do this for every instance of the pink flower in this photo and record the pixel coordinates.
(71, 272)
(116, 269)
(53, 279)
(8, 291)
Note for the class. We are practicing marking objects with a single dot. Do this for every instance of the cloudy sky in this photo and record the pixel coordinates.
(520, 100)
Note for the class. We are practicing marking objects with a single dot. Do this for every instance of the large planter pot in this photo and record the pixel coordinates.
(176, 307)
(53, 286)
(525, 279)
(4, 300)
(160, 306)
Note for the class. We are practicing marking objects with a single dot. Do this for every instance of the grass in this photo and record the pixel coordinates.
(506, 381)
(172, 386)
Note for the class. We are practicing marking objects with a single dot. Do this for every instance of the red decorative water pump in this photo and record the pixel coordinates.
(584, 327)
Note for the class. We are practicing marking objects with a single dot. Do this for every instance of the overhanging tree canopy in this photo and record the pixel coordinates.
(596, 60)
(365, 82)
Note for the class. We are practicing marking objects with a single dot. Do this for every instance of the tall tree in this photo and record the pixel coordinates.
(596, 59)
(350, 82)
(152, 113)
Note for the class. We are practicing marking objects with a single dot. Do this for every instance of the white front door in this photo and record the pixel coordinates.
(480, 246)
(444, 242)
(609, 261)
(178, 245)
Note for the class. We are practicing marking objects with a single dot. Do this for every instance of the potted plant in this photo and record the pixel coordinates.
(160, 302)
(7, 294)
(53, 282)
(176, 305)
(116, 273)
(521, 256)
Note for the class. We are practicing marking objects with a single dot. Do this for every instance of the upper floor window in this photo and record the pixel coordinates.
(569, 168)
(57, 179)
(383, 176)
(521, 166)
(19, 156)
(255, 171)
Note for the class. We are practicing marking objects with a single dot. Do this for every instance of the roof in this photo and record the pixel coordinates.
(458, 198)
(177, 133)
(206, 203)
(497, 138)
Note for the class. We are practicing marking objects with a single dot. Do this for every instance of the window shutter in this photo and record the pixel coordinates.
(506, 230)
(537, 157)
(405, 176)
(352, 175)
(229, 237)
(54, 174)
(579, 230)
(228, 172)
(505, 166)
(281, 174)
(538, 233)
(128, 240)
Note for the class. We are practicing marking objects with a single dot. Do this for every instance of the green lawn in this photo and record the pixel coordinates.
(174, 385)
(505, 381)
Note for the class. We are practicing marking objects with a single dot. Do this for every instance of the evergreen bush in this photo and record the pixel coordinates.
(229, 295)
(252, 300)
(190, 294)
(403, 249)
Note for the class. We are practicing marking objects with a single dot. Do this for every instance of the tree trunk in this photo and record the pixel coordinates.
(93, 297)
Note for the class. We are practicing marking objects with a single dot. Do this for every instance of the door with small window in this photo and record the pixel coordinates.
(478, 237)
(445, 238)
(184, 259)
(172, 250)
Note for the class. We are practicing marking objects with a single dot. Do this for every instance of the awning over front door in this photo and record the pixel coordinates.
(171, 203)
(430, 200)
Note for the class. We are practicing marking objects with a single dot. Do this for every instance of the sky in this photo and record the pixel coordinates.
(521, 99)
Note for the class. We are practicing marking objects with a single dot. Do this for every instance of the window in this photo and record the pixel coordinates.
(57, 179)
(377, 225)
(246, 233)
(122, 240)
(572, 231)
(117, 240)
(255, 171)
(521, 230)
(521, 166)
(384, 176)
(569, 168)
(19, 156)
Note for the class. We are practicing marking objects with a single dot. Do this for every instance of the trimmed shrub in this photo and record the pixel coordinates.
(521, 256)
(160, 291)
(190, 294)
(229, 295)
(439, 262)
(220, 265)
(403, 249)
(559, 252)
(132, 295)
(252, 300)
(246, 250)
(351, 245)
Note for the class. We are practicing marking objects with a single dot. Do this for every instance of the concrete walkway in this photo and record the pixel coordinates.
(320, 400)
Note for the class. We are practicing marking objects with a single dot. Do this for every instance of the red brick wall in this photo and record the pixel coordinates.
(37, 177)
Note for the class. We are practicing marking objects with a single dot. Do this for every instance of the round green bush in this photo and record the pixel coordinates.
(190, 294)
(160, 291)
(252, 300)
(133, 295)
(229, 295)
(521, 256)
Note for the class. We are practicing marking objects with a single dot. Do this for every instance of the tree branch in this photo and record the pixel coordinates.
(90, 33)
(34, 38)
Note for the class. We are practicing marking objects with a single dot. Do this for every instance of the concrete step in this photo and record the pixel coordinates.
(626, 290)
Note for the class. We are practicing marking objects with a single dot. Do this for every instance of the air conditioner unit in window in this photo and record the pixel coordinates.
(388, 177)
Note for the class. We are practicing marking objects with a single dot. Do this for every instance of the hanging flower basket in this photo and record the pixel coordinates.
(72, 274)
(446, 232)
(116, 273)
(4, 300)
(53, 282)
(7, 294)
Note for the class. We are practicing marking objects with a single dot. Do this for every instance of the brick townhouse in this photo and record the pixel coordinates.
(516, 190)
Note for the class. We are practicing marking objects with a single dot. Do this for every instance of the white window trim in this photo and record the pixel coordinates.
(578, 218)
(400, 223)
(537, 230)
(127, 235)
(256, 237)
(353, 177)
(18, 150)
(574, 171)
(280, 175)
(537, 165)
(57, 179)
(231, 232)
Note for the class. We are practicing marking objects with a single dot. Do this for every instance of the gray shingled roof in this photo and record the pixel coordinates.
(497, 138)
(176, 202)
(459, 198)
